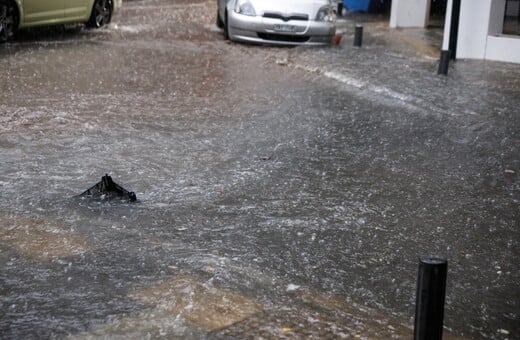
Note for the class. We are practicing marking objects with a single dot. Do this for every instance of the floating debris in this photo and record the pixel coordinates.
(282, 62)
(503, 331)
(292, 287)
(107, 189)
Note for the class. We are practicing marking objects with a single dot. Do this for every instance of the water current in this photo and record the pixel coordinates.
(282, 192)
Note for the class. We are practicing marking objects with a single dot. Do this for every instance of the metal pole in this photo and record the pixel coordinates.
(431, 293)
(358, 36)
(454, 28)
(444, 62)
(445, 51)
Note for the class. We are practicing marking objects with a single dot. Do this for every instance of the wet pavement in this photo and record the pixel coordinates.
(282, 192)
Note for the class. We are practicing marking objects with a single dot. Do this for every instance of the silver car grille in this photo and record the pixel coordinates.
(289, 38)
(287, 17)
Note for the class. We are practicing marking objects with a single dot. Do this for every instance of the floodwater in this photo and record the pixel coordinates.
(282, 192)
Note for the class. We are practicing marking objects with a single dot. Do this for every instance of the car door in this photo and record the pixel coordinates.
(41, 12)
(78, 10)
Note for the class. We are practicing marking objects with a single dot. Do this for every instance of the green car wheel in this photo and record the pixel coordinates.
(101, 14)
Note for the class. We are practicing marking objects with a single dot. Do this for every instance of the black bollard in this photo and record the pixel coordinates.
(340, 9)
(444, 62)
(431, 293)
(358, 36)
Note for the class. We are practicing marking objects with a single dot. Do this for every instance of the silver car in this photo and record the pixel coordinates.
(287, 22)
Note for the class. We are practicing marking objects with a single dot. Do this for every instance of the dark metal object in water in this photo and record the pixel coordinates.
(108, 189)
(430, 298)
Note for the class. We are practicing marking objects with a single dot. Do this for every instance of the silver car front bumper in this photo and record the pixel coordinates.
(279, 32)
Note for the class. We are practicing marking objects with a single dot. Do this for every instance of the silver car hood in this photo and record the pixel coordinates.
(309, 7)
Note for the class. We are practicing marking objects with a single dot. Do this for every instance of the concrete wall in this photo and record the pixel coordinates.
(410, 13)
(480, 28)
(473, 28)
(496, 17)
(503, 48)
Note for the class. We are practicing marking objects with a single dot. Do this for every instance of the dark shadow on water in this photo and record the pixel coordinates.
(56, 34)
(60, 32)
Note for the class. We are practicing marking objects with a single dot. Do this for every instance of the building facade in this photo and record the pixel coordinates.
(480, 31)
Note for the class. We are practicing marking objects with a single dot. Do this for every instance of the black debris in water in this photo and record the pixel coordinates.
(107, 189)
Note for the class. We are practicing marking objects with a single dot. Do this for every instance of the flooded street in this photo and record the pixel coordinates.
(282, 192)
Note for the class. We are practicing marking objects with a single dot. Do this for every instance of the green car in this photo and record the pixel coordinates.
(15, 14)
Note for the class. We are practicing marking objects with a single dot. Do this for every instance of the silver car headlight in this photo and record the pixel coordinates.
(326, 13)
(244, 7)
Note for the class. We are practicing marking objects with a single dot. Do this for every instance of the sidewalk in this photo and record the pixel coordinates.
(402, 64)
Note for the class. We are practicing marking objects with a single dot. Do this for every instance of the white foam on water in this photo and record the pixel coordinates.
(132, 28)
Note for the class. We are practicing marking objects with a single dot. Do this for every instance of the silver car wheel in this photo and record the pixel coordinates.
(220, 23)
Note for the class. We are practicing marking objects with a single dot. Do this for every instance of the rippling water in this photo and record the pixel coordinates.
(282, 192)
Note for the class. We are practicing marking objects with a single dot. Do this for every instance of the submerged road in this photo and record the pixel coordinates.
(282, 192)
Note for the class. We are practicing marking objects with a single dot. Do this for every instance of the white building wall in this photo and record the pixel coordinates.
(504, 48)
(501, 47)
(480, 32)
(473, 28)
(410, 13)
(480, 27)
